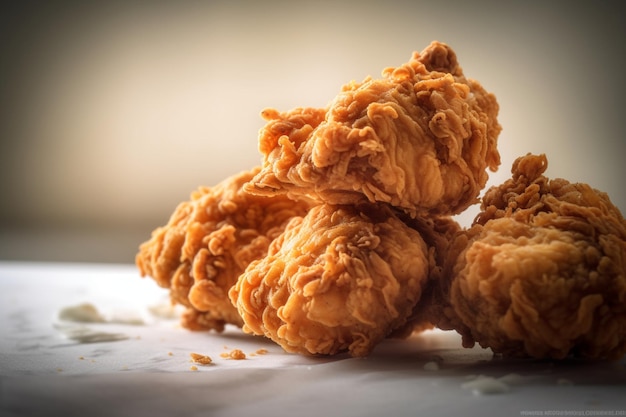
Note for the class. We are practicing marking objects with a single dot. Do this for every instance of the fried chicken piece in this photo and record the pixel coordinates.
(420, 138)
(542, 272)
(339, 279)
(208, 242)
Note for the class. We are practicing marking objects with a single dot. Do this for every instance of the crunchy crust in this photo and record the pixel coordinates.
(541, 272)
(339, 279)
(420, 138)
(208, 242)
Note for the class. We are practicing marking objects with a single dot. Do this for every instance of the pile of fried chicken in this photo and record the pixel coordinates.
(345, 234)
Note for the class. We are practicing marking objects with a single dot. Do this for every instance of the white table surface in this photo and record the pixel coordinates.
(43, 372)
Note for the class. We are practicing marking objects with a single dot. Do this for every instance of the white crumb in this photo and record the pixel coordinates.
(88, 313)
(483, 385)
(431, 366)
(564, 381)
(84, 334)
(81, 313)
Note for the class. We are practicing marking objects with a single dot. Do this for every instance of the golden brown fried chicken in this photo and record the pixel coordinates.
(341, 278)
(208, 242)
(420, 138)
(438, 233)
(542, 272)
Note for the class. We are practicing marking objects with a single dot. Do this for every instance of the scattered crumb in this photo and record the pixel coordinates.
(166, 311)
(512, 379)
(82, 358)
(126, 317)
(170, 354)
(431, 366)
(564, 382)
(482, 385)
(81, 313)
(83, 334)
(88, 313)
(434, 363)
(201, 359)
(193, 368)
(236, 354)
(59, 370)
(258, 352)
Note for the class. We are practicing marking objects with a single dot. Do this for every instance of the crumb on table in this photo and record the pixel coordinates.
(236, 354)
(201, 359)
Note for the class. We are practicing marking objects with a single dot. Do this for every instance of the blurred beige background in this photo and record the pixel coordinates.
(111, 113)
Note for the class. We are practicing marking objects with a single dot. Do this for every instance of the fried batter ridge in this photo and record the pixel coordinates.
(420, 138)
(208, 242)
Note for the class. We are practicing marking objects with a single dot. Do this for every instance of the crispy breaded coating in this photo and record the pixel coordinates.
(438, 233)
(542, 272)
(420, 138)
(208, 242)
(346, 233)
(339, 279)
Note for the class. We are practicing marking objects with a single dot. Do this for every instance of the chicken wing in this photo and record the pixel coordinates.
(208, 242)
(339, 279)
(542, 272)
(420, 138)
